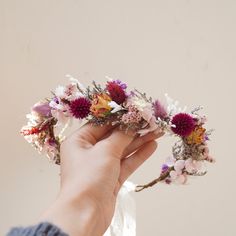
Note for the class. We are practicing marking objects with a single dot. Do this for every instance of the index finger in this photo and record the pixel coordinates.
(91, 133)
(118, 141)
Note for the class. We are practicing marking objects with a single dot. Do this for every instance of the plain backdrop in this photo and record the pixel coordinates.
(185, 47)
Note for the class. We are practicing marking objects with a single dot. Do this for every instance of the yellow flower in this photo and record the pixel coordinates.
(197, 136)
(100, 105)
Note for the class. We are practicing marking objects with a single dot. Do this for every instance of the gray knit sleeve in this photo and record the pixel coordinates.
(41, 229)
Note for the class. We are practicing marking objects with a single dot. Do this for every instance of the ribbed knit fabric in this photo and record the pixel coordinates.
(41, 229)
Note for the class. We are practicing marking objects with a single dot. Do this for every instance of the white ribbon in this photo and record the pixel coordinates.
(124, 219)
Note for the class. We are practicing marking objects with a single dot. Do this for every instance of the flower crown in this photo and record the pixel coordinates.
(129, 110)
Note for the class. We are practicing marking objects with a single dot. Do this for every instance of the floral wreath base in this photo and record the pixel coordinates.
(130, 111)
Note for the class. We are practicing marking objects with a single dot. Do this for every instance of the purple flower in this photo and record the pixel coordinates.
(164, 168)
(184, 124)
(159, 110)
(121, 84)
(42, 109)
(51, 142)
(56, 100)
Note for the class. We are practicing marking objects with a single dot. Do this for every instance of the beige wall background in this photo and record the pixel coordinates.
(185, 47)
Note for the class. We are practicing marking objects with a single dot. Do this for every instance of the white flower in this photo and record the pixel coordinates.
(31, 138)
(115, 107)
(138, 102)
(179, 166)
(60, 91)
(76, 82)
(177, 174)
(57, 105)
(177, 177)
(60, 111)
(71, 91)
(145, 109)
(33, 119)
(193, 166)
(109, 78)
(170, 161)
(173, 106)
(61, 117)
(141, 104)
(152, 126)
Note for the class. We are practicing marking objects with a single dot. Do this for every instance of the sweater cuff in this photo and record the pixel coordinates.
(41, 229)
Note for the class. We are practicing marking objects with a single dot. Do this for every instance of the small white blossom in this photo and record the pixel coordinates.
(139, 103)
(60, 91)
(115, 107)
(193, 166)
(173, 106)
(109, 78)
(74, 81)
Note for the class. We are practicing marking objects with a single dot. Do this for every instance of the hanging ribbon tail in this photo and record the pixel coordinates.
(124, 220)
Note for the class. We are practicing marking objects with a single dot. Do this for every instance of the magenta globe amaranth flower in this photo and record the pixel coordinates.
(116, 90)
(80, 107)
(184, 124)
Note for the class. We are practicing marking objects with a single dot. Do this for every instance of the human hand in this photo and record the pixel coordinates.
(95, 162)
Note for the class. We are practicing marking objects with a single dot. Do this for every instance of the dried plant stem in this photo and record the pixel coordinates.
(163, 176)
(57, 159)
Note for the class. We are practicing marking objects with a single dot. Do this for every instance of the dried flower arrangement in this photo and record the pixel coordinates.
(128, 110)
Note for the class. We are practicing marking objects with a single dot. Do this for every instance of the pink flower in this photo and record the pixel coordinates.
(159, 110)
(72, 92)
(147, 115)
(68, 92)
(179, 165)
(177, 174)
(61, 117)
(60, 111)
(170, 161)
(42, 109)
(178, 178)
(132, 116)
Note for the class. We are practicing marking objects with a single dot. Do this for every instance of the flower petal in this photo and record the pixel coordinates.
(179, 165)
(173, 175)
(181, 179)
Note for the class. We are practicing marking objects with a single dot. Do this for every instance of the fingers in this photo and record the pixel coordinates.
(138, 142)
(118, 141)
(89, 134)
(130, 164)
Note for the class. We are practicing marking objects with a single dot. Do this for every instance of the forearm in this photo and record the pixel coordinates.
(76, 218)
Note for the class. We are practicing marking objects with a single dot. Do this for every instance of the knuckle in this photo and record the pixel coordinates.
(112, 148)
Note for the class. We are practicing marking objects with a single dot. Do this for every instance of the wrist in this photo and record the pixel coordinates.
(76, 218)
